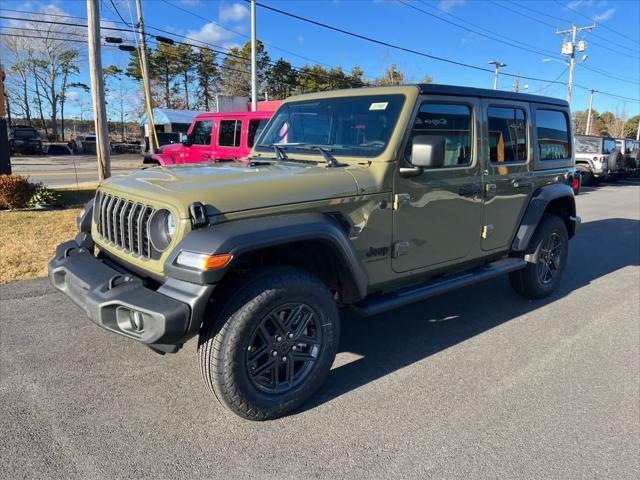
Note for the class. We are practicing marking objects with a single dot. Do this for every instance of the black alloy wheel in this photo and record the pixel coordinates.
(549, 258)
(284, 348)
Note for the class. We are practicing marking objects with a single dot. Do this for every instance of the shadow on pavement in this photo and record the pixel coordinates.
(391, 341)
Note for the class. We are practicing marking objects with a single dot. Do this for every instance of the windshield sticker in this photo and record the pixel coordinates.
(379, 106)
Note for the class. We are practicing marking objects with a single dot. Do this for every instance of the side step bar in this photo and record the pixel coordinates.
(389, 301)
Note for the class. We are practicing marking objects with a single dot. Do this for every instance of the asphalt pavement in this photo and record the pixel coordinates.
(65, 171)
(478, 383)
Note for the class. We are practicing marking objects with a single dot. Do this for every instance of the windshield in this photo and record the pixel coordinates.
(355, 126)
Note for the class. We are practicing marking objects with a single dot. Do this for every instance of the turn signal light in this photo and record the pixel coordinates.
(201, 261)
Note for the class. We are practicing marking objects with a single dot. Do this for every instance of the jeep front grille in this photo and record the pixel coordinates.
(124, 224)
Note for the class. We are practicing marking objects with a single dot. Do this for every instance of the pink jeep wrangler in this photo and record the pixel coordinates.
(214, 137)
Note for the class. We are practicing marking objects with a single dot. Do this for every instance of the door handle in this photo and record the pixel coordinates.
(470, 190)
(206, 156)
(521, 183)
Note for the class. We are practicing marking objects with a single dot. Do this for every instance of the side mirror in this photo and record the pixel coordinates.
(427, 152)
(184, 139)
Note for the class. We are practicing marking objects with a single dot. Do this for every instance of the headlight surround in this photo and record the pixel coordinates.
(162, 229)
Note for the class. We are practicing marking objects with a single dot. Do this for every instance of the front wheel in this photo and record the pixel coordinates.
(272, 344)
(549, 248)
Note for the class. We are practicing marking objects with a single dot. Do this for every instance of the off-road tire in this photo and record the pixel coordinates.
(586, 174)
(527, 281)
(224, 340)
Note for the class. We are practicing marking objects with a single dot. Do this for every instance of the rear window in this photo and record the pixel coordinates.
(588, 145)
(230, 132)
(25, 133)
(553, 134)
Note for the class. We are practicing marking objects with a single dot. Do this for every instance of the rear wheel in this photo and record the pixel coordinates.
(273, 343)
(586, 174)
(549, 247)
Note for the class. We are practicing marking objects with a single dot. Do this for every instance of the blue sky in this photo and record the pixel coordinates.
(612, 48)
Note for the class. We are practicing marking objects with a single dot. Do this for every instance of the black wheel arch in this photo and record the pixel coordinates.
(312, 241)
(557, 199)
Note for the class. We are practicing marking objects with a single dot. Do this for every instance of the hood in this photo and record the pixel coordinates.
(232, 187)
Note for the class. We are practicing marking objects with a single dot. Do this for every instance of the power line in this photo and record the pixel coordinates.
(208, 20)
(542, 22)
(118, 12)
(565, 20)
(618, 33)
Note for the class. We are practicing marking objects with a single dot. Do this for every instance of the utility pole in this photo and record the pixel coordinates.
(254, 53)
(516, 86)
(638, 132)
(588, 129)
(97, 90)
(498, 65)
(145, 76)
(569, 48)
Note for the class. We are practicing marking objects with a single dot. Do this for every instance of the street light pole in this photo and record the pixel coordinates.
(498, 65)
(569, 48)
(588, 129)
(145, 76)
(254, 73)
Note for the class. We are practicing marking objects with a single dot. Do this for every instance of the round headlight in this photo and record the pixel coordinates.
(162, 228)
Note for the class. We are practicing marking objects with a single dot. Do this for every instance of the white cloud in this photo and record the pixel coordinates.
(73, 96)
(448, 5)
(605, 15)
(574, 4)
(300, 39)
(209, 33)
(233, 13)
(190, 3)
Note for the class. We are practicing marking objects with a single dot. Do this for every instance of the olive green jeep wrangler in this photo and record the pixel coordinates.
(368, 199)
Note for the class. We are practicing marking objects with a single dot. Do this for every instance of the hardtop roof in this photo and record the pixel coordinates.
(441, 89)
(257, 114)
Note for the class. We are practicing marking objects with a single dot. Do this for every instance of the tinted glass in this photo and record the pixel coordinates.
(448, 120)
(553, 134)
(507, 134)
(25, 133)
(201, 133)
(230, 131)
(356, 126)
(609, 145)
(255, 129)
(588, 144)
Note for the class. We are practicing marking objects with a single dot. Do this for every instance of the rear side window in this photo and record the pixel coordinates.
(201, 133)
(230, 132)
(553, 134)
(255, 129)
(453, 121)
(507, 135)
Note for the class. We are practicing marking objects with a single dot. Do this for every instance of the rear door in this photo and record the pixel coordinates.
(507, 170)
(437, 213)
(229, 139)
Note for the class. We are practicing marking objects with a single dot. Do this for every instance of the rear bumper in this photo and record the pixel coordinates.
(121, 302)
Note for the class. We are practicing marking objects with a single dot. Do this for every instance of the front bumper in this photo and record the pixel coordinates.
(123, 303)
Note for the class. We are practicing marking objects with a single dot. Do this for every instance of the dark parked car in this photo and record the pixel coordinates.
(24, 139)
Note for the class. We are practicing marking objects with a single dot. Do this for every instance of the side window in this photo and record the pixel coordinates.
(507, 135)
(230, 131)
(255, 129)
(201, 133)
(553, 134)
(451, 121)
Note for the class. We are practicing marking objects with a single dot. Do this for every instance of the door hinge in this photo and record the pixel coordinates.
(400, 200)
(487, 231)
(400, 248)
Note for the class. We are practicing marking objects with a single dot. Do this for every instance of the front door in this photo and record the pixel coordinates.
(507, 170)
(200, 137)
(229, 137)
(437, 213)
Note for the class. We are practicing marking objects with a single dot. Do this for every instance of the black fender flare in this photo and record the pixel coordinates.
(248, 235)
(541, 198)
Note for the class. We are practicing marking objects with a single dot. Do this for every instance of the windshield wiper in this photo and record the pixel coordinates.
(324, 151)
(278, 149)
